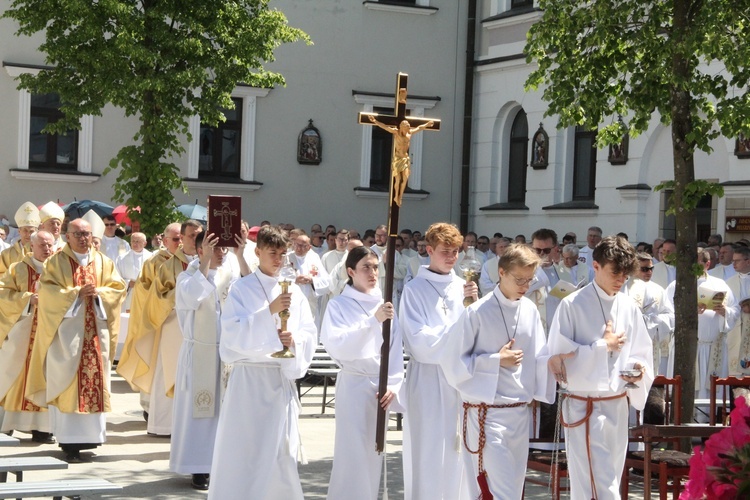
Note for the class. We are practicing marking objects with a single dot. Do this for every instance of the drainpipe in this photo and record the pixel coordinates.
(468, 116)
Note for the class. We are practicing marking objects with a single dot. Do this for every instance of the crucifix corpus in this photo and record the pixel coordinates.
(401, 127)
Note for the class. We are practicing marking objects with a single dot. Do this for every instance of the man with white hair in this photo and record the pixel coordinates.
(312, 277)
(19, 303)
(572, 270)
(129, 265)
(81, 294)
(27, 220)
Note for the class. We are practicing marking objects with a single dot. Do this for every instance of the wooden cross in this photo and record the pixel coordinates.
(402, 128)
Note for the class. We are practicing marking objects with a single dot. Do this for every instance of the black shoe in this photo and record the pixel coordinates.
(200, 482)
(145, 416)
(42, 437)
(73, 457)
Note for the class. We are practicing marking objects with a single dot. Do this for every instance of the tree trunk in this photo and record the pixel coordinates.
(685, 295)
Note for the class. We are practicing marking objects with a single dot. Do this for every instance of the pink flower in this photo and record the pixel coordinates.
(716, 472)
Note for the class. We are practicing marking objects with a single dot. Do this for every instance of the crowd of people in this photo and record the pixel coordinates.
(203, 325)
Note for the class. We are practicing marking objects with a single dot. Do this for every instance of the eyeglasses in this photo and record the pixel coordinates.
(80, 234)
(540, 251)
(524, 281)
(176, 239)
(645, 269)
(110, 224)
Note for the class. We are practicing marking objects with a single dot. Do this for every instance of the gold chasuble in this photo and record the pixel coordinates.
(158, 331)
(17, 333)
(131, 365)
(75, 337)
(12, 254)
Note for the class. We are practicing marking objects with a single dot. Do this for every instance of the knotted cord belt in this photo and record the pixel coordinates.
(482, 417)
(589, 409)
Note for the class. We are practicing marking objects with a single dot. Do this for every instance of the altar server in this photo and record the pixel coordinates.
(430, 304)
(496, 359)
(597, 333)
(257, 440)
(352, 333)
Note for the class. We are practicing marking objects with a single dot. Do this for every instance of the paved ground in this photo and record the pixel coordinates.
(140, 463)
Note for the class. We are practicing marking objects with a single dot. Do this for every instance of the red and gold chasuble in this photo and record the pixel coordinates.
(14, 399)
(90, 368)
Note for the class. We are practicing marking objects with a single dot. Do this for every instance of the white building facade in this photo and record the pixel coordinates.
(359, 47)
(577, 186)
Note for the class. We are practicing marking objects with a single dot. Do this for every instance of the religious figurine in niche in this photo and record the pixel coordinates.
(309, 146)
(742, 146)
(540, 148)
(401, 165)
(618, 152)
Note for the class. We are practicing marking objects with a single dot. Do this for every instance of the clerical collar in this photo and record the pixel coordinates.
(83, 258)
(38, 264)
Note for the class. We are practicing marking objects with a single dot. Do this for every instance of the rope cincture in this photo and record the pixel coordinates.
(482, 417)
(585, 420)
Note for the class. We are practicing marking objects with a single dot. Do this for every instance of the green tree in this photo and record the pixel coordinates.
(686, 61)
(162, 61)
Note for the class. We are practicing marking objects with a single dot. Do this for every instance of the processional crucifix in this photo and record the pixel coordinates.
(402, 128)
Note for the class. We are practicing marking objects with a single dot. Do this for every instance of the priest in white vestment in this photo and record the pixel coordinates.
(489, 277)
(738, 339)
(199, 292)
(596, 333)
(496, 359)
(19, 303)
(129, 265)
(658, 313)
(257, 441)
(430, 304)
(113, 246)
(352, 333)
(712, 357)
(312, 277)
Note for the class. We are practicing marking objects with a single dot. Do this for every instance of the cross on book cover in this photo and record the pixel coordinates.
(224, 218)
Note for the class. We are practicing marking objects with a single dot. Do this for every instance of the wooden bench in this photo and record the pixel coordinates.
(68, 488)
(17, 465)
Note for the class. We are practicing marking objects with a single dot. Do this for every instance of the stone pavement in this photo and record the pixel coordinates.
(140, 463)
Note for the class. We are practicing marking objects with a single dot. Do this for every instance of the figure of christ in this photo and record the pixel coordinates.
(401, 163)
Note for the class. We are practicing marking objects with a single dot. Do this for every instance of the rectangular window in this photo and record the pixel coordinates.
(55, 151)
(584, 165)
(516, 4)
(220, 145)
(704, 216)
